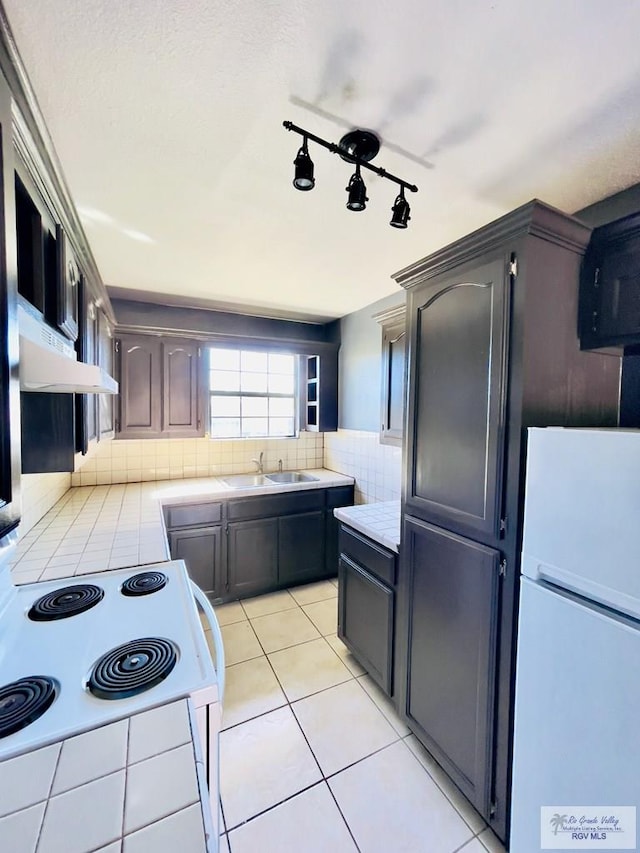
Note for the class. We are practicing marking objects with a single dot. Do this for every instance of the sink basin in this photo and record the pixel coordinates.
(290, 477)
(246, 481)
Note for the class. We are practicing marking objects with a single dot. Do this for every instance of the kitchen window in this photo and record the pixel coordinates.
(252, 393)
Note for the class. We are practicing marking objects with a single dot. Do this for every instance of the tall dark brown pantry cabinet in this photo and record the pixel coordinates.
(493, 349)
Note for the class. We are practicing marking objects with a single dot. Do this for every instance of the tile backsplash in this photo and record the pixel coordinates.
(39, 493)
(376, 468)
(134, 461)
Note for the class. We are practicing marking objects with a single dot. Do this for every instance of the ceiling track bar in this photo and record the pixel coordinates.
(336, 149)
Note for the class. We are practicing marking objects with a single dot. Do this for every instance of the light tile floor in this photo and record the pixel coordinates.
(313, 757)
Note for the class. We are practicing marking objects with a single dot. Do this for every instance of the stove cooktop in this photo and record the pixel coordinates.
(116, 654)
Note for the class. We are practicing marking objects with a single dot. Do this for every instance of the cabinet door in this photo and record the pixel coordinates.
(393, 361)
(9, 386)
(451, 600)
(105, 360)
(365, 620)
(337, 496)
(68, 281)
(457, 400)
(301, 547)
(180, 372)
(200, 548)
(252, 556)
(86, 348)
(140, 389)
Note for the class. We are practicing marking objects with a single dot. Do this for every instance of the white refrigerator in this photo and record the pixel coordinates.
(576, 764)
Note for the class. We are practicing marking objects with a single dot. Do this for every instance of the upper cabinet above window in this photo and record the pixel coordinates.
(393, 371)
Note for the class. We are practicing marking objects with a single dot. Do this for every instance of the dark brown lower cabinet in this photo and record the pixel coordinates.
(252, 556)
(366, 620)
(453, 586)
(201, 550)
(251, 545)
(301, 547)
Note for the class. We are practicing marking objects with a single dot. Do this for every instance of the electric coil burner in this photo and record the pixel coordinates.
(132, 668)
(65, 602)
(144, 583)
(23, 701)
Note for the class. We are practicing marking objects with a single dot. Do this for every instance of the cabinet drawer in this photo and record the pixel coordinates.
(265, 506)
(375, 558)
(192, 515)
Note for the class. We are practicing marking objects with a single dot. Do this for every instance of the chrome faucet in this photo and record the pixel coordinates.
(259, 462)
(280, 465)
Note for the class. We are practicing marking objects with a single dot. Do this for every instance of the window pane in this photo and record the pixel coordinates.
(255, 407)
(225, 359)
(225, 428)
(254, 427)
(222, 407)
(281, 407)
(224, 380)
(281, 426)
(254, 362)
(254, 382)
(280, 384)
(281, 363)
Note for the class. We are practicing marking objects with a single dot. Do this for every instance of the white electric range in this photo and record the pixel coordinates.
(81, 652)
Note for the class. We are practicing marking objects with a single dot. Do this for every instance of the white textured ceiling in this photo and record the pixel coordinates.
(167, 118)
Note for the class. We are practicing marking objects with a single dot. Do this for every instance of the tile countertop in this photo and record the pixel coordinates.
(378, 521)
(95, 528)
(105, 790)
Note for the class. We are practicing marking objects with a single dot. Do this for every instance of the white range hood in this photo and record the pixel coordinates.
(48, 362)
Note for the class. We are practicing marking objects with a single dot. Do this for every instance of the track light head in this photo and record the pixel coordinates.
(357, 192)
(303, 178)
(400, 211)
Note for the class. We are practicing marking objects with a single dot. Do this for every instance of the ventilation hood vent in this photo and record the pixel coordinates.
(48, 362)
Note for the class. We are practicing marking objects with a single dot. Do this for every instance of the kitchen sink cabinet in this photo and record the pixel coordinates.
(335, 497)
(160, 387)
(250, 545)
(201, 549)
(492, 350)
(610, 286)
(301, 547)
(252, 556)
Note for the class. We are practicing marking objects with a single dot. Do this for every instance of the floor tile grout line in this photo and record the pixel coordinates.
(275, 805)
(346, 822)
(325, 778)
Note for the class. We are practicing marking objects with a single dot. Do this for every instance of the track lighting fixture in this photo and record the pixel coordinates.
(358, 147)
(303, 179)
(357, 191)
(400, 211)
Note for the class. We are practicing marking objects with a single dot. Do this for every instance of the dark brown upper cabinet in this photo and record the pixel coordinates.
(394, 339)
(160, 388)
(321, 392)
(460, 330)
(105, 360)
(9, 385)
(68, 282)
(610, 286)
